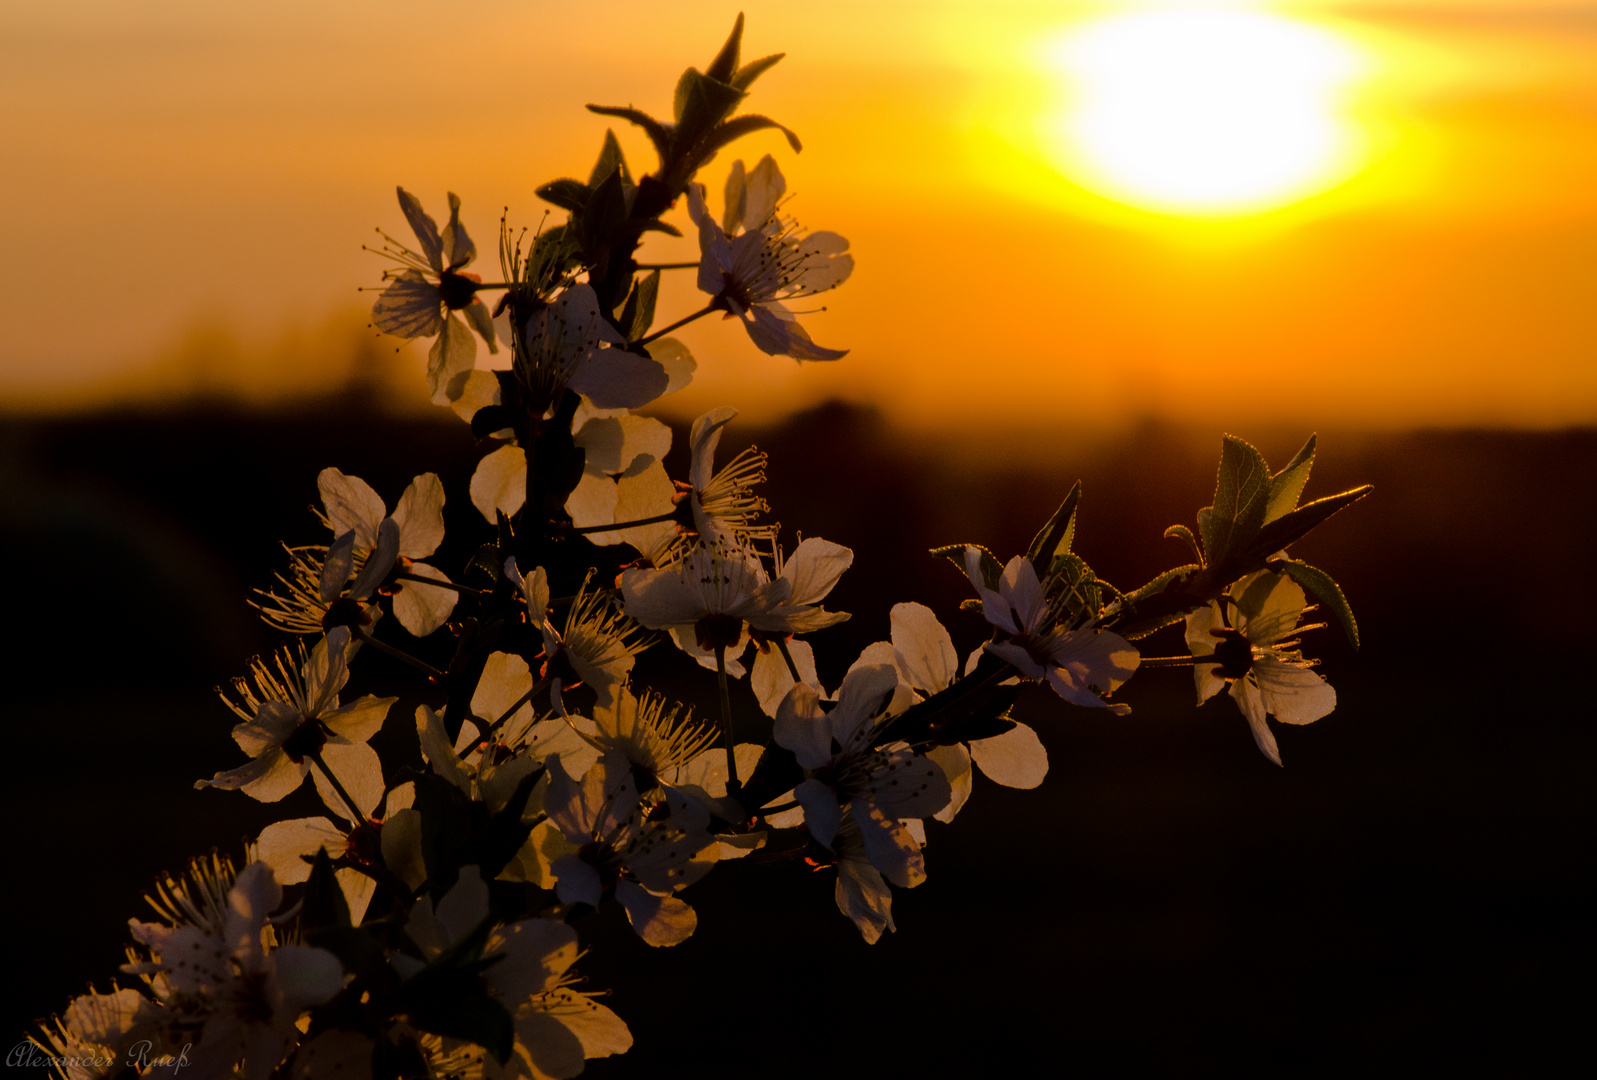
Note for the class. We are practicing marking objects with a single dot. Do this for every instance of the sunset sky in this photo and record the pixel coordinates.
(1405, 234)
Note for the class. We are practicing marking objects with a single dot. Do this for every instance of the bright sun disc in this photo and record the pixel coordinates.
(1205, 112)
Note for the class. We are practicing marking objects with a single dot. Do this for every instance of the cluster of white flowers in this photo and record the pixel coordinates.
(430, 929)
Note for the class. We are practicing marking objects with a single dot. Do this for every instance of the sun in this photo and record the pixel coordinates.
(1204, 112)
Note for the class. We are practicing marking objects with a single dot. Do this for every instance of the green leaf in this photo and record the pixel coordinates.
(753, 70)
(1294, 526)
(445, 825)
(659, 134)
(704, 103)
(1321, 585)
(1181, 532)
(1162, 582)
(605, 210)
(1136, 629)
(460, 1007)
(611, 160)
(1056, 537)
(725, 64)
(638, 312)
(747, 124)
(506, 832)
(991, 568)
(324, 903)
(567, 194)
(488, 559)
(1071, 582)
(355, 948)
(1287, 485)
(1241, 493)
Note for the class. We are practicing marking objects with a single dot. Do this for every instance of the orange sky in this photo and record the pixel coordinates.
(189, 184)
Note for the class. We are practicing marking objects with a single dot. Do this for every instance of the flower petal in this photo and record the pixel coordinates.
(422, 609)
(659, 920)
(420, 516)
(351, 504)
(615, 379)
(925, 652)
(1014, 759)
(500, 483)
(425, 229)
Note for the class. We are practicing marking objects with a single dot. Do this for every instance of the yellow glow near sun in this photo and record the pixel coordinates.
(1204, 111)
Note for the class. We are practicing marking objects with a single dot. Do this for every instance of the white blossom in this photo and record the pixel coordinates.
(1081, 663)
(428, 290)
(750, 274)
(1245, 633)
(291, 715)
(556, 1026)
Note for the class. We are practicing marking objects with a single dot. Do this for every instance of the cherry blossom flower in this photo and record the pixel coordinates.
(622, 477)
(923, 655)
(91, 1040)
(556, 1027)
(750, 274)
(722, 500)
(427, 291)
(880, 786)
(568, 344)
(219, 963)
(291, 716)
(598, 644)
(289, 846)
(1081, 663)
(712, 597)
(377, 540)
(644, 859)
(1245, 633)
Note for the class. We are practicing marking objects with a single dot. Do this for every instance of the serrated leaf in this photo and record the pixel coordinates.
(659, 134)
(324, 904)
(1294, 526)
(638, 312)
(1056, 537)
(487, 559)
(656, 225)
(566, 193)
(753, 70)
(1323, 586)
(706, 102)
(605, 209)
(991, 568)
(1242, 490)
(725, 63)
(1071, 582)
(506, 832)
(611, 160)
(739, 126)
(1162, 582)
(679, 96)
(1181, 532)
(1136, 629)
(1287, 485)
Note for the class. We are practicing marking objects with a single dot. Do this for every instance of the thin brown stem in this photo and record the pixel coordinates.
(403, 657)
(679, 323)
(657, 519)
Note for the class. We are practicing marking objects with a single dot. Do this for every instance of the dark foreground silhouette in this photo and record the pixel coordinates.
(1407, 889)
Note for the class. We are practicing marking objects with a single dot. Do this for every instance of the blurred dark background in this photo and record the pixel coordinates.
(1408, 889)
